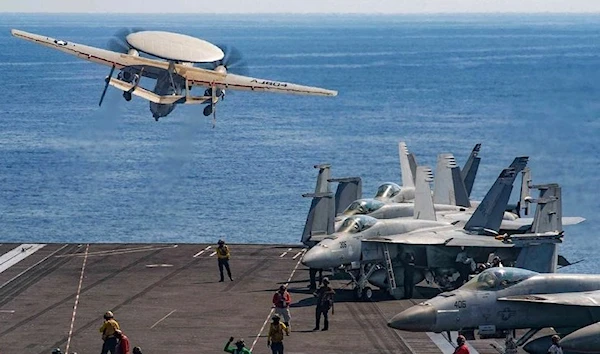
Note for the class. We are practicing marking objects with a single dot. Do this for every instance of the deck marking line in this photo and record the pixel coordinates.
(159, 321)
(212, 254)
(118, 251)
(297, 254)
(272, 309)
(18, 254)
(284, 253)
(7, 311)
(87, 248)
(204, 250)
(33, 266)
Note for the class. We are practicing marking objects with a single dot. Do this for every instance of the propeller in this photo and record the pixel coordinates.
(233, 60)
(118, 42)
(106, 86)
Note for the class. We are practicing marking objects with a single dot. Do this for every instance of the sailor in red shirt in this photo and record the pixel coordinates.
(462, 346)
(281, 302)
(123, 345)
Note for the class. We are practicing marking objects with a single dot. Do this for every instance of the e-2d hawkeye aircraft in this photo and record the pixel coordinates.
(514, 298)
(172, 66)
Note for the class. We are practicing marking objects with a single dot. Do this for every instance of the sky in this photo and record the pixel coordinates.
(303, 6)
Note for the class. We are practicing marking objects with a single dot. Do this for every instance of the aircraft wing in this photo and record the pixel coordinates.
(441, 238)
(119, 60)
(588, 298)
(245, 83)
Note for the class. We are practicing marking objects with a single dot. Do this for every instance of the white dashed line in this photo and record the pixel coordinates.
(297, 254)
(200, 253)
(162, 319)
(284, 253)
(212, 254)
(87, 248)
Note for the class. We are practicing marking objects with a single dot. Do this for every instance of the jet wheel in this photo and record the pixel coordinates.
(207, 110)
(367, 293)
(127, 96)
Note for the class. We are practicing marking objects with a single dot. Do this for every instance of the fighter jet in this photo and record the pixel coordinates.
(513, 298)
(345, 247)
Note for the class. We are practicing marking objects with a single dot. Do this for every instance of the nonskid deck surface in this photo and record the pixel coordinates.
(167, 299)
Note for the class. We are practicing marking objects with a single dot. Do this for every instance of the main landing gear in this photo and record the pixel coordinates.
(362, 290)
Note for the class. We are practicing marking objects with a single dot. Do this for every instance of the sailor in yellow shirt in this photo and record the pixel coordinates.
(223, 256)
(108, 329)
(275, 337)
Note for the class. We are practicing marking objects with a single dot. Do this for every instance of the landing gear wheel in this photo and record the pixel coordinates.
(207, 110)
(367, 293)
(358, 293)
(127, 96)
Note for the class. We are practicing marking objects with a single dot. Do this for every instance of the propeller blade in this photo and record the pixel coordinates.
(233, 60)
(118, 43)
(212, 103)
(112, 70)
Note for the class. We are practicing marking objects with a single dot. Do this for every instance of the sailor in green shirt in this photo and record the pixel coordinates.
(240, 347)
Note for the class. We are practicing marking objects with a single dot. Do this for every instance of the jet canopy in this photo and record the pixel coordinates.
(363, 206)
(498, 278)
(387, 190)
(357, 223)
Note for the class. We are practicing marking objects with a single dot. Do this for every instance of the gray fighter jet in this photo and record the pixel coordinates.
(346, 247)
(513, 298)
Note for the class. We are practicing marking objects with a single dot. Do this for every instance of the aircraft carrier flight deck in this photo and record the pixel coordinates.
(168, 299)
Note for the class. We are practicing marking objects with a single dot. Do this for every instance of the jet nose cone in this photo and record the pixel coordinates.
(419, 318)
(316, 257)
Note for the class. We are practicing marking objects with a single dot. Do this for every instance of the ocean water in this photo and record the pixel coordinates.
(73, 172)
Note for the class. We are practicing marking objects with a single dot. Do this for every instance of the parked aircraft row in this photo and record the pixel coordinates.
(372, 249)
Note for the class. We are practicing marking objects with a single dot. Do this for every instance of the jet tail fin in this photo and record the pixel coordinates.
(423, 208)
(320, 218)
(541, 255)
(348, 190)
(489, 213)
(525, 199)
(449, 186)
(408, 178)
(469, 171)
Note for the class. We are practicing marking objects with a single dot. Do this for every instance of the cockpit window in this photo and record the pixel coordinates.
(356, 224)
(498, 278)
(362, 207)
(387, 190)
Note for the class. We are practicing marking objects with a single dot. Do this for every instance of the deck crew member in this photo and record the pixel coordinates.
(409, 275)
(555, 347)
(281, 302)
(497, 262)
(275, 336)
(462, 345)
(324, 303)
(240, 347)
(123, 344)
(223, 256)
(108, 329)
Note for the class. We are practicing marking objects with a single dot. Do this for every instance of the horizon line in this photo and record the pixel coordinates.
(301, 13)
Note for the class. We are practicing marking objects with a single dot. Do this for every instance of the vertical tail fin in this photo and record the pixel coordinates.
(541, 254)
(489, 213)
(348, 190)
(408, 179)
(469, 171)
(525, 199)
(320, 217)
(423, 208)
(449, 187)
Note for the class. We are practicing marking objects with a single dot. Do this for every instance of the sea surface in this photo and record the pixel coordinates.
(73, 172)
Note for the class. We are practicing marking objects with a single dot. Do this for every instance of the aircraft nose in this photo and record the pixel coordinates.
(316, 257)
(419, 318)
